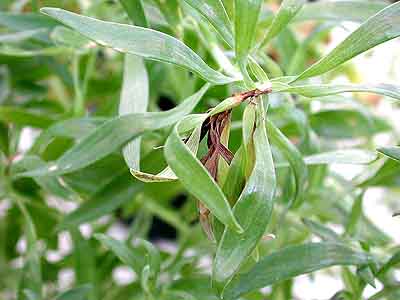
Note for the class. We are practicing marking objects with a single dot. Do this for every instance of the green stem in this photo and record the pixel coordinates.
(89, 71)
(34, 5)
(78, 104)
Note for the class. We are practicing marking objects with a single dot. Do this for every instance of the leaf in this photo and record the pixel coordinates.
(84, 261)
(246, 18)
(322, 231)
(167, 174)
(392, 152)
(140, 41)
(118, 191)
(134, 99)
(346, 123)
(366, 275)
(295, 159)
(196, 179)
(52, 185)
(113, 134)
(287, 11)
(125, 253)
(152, 256)
(65, 37)
(355, 215)
(28, 21)
(252, 210)
(31, 279)
(17, 37)
(78, 293)
(25, 117)
(297, 260)
(318, 90)
(135, 11)
(380, 28)
(215, 13)
(339, 10)
(392, 262)
(346, 156)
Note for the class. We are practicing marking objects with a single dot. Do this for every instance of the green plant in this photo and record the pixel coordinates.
(230, 121)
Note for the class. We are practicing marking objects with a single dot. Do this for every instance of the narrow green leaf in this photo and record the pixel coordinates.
(167, 174)
(233, 187)
(78, 293)
(153, 257)
(215, 13)
(246, 18)
(134, 99)
(322, 231)
(366, 275)
(26, 21)
(392, 152)
(135, 11)
(118, 191)
(392, 262)
(293, 261)
(66, 37)
(31, 280)
(84, 261)
(380, 28)
(13, 51)
(347, 156)
(318, 90)
(253, 209)
(196, 179)
(340, 10)
(17, 37)
(294, 158)
(113, 134)
(72, 128)
(52, 185)
(140, 41)
(25, 117)
(286, 12)
(354, 216)
(125, 253)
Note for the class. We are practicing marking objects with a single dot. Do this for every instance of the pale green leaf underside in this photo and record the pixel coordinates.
(392, 152)
(345, 156)
(167, 174)
(293, 261)
(134, 99)
(378, 29)
(293, 156)
(140, 41)
(286, 12)
(349, 156)
(318, 90)
(214, 11)
(339, 10)
(246, 17)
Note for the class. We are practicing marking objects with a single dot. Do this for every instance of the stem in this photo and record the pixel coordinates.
(78, 104)
(34, 5)
(89, 71)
